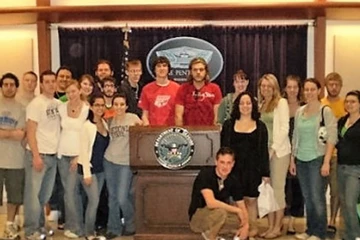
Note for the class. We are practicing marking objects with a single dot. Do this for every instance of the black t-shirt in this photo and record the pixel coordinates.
(207, 179)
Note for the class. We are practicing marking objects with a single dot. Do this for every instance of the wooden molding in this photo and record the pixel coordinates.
(234, 11)
(44, 44)
(319, 50)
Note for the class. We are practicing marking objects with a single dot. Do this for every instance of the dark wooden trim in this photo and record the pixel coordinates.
(319, 49)
(220, 11)
(44, 46)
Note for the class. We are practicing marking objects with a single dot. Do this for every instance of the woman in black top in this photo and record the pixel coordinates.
(248, 137)
(349, 164)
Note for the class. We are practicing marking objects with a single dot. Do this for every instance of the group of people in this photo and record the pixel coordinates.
(266, 137)
(75, 136)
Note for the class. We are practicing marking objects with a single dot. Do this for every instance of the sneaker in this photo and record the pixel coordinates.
(47, 231)
(36, 236)
(11, 232)
(205, 235)
(302, 236)
(95, 238)
(70, 234)
(312, 237)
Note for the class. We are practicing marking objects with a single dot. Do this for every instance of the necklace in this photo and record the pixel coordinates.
(73, 109)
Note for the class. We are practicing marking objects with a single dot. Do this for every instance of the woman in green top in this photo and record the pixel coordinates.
(240, 83)
(310, 161)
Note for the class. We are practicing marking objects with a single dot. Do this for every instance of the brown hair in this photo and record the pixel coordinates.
(195, 61)
(240, 74)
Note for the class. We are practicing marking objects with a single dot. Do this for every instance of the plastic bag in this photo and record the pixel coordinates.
(266, 200)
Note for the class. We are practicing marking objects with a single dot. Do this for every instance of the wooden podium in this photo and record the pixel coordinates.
(163, 196)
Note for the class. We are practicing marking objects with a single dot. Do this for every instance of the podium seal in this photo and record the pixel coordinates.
(174, 148)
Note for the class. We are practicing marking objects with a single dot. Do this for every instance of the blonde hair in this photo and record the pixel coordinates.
(276, 93)
(77, 85)
(333, 76)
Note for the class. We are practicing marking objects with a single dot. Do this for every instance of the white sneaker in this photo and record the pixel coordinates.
(70, 234)
(312, 237)
(302, 236)
(36, 236)
(95, 238)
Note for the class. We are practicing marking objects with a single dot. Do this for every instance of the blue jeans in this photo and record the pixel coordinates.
(38, 189)
(93, 193)
(119, 180)
(313, 187)
(349, 192)
(70, 183)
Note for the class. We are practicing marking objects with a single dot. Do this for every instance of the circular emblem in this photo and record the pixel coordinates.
(180, 51)
(174, 148)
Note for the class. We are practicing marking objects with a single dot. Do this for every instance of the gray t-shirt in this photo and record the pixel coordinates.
(12, 116)
(118, 151)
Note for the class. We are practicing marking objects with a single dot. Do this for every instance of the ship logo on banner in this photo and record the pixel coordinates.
(180, 51)
(174, 148)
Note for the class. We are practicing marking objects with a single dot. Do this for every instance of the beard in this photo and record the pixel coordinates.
(333, 95)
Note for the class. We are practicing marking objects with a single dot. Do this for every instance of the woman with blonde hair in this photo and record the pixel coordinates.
(73, 114)
(275, 114)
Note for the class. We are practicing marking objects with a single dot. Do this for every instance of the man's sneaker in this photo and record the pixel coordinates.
(36, 236)
(70, 234)
(47, 231)
(11, 231)
(302, 236)
(95, 238)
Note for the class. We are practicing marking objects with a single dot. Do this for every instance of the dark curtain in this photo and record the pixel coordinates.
(81, 48)
(257, 50)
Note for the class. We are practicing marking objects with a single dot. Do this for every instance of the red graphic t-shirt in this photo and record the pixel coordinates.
(198, 104)
(159, 101)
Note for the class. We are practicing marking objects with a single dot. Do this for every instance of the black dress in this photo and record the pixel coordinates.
(251, 155)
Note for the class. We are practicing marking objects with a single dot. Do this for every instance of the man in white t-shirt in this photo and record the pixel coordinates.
(12, 132)
(43, 132)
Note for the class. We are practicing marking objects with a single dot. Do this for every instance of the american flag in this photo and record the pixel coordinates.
(126, 46)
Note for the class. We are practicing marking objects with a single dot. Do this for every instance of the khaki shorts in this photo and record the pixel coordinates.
(205, 219)
(14, 180)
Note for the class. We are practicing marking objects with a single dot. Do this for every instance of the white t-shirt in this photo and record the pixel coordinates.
(69, 144)
(118, 151)
(44, 111)
(12, 116)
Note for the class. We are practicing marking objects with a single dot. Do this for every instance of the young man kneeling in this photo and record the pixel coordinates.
(211, 211)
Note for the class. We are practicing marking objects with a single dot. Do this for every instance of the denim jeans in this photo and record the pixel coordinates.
(349, 192)
(93, 193)
(119, 179)
(313, 187)
(70, 183)
(38, 189)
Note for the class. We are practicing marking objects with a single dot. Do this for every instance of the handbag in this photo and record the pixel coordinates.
(322, 133)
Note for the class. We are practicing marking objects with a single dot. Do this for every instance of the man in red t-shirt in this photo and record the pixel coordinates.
(157, 98)
(198, 100)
